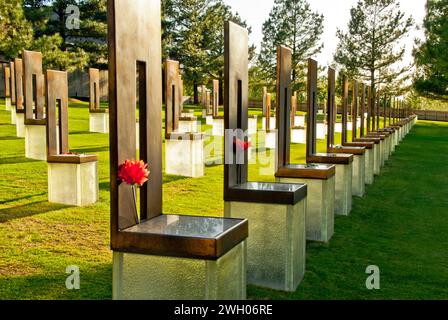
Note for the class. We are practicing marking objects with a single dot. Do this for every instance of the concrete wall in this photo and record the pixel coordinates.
(78, 85)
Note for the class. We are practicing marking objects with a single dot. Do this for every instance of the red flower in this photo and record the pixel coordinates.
(242, 145)
(133, 172)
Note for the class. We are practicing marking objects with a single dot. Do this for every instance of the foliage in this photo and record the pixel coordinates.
(431, 55)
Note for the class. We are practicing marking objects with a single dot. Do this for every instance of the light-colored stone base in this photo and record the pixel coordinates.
(99, 122)
(321, 131)
(343, 189)
(338, 127)
(370, 165)
(146, 277)
(298, 136)
(272, 123)
(209, 120)
(185, 158)
(188, 126)
(299, 121)
(73, 184)
(387, 148)
(13, 116)
(276, 245)
(252, 126)
(36, 142)
(320, 207)
(359, 175)
(377, 160)
(8, 104)
(204, 113)
(270, 141)
(20, 125)
(218, 127)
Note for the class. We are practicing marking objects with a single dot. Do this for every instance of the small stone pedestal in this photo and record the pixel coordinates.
(321, 131)
(272, 123)
(270, 141)
(204, 113)
(253, 125)
(99, 122)
(209, 120)
(338, 127)
(184, 155)
(8, 104)
(299, 121)
(359, 175)
(74, 184)
(218, 126)
(36, 142)
(188, 124)
(152, 276)
(13, 115)
(320, 206)
(298, 135)
(20, 125)
(370, 165)
(277, 244)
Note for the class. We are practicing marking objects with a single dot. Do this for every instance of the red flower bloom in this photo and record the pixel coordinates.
(242, 145)
(133, 172)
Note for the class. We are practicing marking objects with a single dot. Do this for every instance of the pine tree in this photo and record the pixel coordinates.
(16, 33)
(367, 51)
(294, 24)
(431, 55)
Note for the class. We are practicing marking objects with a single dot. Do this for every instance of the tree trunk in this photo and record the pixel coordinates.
(221, 88)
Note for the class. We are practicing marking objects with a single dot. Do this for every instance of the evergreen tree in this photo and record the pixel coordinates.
(367, 51)
(431, 55)
(15, 31)
(294, 24)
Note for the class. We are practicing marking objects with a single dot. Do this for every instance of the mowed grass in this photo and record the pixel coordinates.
(400, 225)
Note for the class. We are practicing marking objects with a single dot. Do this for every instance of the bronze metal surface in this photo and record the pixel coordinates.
(33, 86)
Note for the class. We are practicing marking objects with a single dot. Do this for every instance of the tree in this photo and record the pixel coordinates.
(55, 58)
(431, 55)
(294, 24)
(367, 51)
(16, 33)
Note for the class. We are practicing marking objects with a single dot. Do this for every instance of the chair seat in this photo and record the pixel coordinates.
(307, 171)
(331, 158)
(205, 238)
(266, 192)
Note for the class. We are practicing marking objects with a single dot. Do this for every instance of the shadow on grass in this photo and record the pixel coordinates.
(28, 210)
(10, 138)
(80, 132)
(172, 178)
(16, 160)
(22, 198)
(50, 285)
(105, 186)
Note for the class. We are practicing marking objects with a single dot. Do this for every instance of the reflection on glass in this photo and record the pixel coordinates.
(185, 226)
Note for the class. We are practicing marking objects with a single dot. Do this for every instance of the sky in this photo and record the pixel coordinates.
(337, 15)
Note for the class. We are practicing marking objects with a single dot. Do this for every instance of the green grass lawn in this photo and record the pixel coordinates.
(400, 225)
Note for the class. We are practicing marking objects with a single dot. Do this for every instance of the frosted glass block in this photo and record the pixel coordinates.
(383, 152)
(185, 158)
(36, 142)
(276, 244)
(79, 187)
(209, 120)
(204, 113)
(377, 159)
(386, 149)
(148, 277)
(299, 121)
(270, 141)
(253, 126)
(321, 131)
(349, 126)
(343, 189)
(13, 116)
(338, 127)
(298, 136)
(99, 122)
(218, 127)
(188, 126)
(20, 125)
(320, 207)
(370, 163)
(8, 104)
(359, 175)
